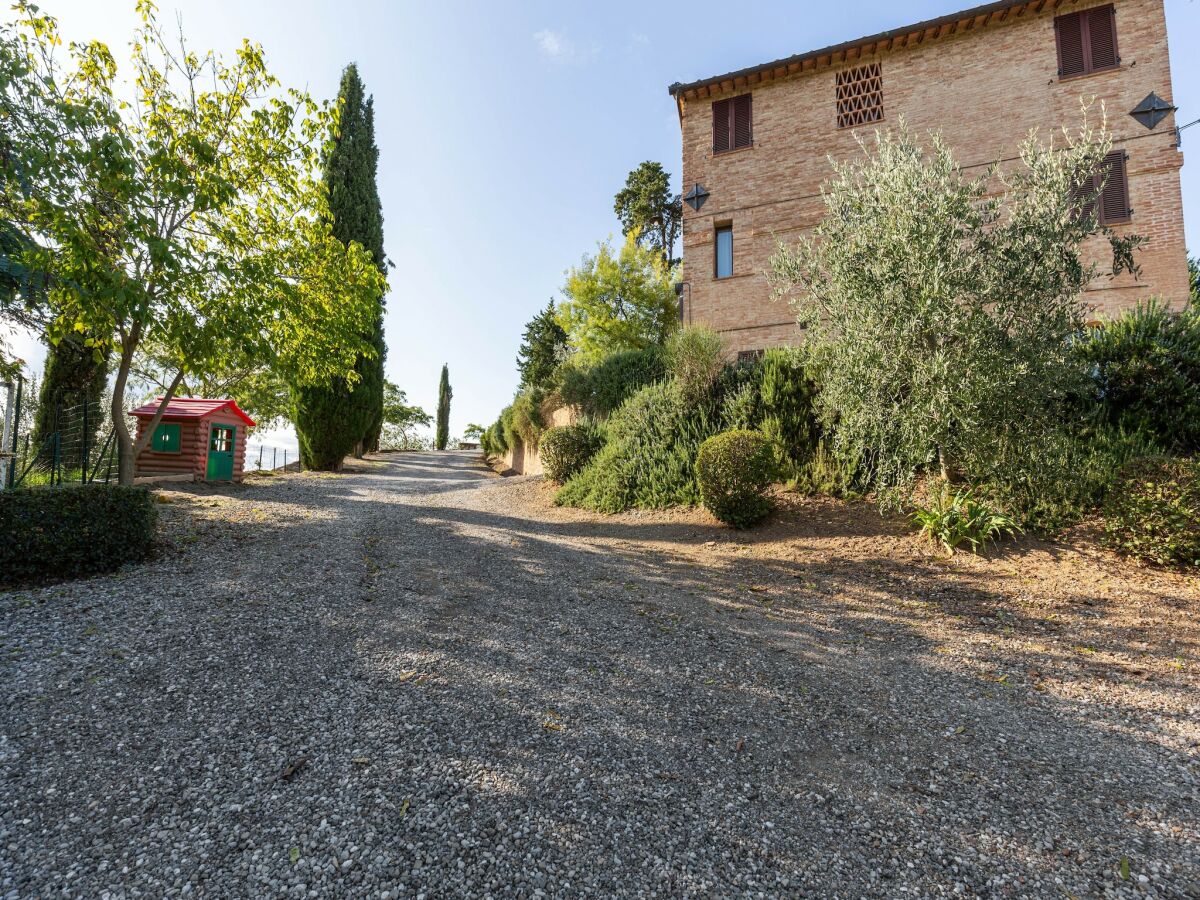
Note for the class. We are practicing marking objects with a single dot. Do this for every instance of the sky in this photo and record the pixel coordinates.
(505, 130)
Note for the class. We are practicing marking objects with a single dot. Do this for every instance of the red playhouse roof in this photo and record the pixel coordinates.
(190, 408)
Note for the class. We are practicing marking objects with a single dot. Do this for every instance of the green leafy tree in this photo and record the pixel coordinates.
(343, 406)
(1194, 279)
(543, 349)
(474, 432)
(442, 437)
(621, 301)
(650, 210)
(188, 216)
(400, 418)
(942, 309)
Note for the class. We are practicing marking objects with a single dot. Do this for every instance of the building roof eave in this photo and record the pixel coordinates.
(999, 10)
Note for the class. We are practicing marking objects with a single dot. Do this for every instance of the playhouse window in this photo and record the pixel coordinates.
(166, 438)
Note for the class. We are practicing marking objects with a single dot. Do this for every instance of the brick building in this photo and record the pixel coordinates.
(757, 142)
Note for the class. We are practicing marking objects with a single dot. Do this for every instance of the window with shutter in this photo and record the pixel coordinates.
(1106, 194)
(1087, 41)
(859, 95)
(732, 123)
(1113, 201)
(721, 141)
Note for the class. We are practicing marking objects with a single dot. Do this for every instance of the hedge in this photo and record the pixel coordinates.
(73, 530)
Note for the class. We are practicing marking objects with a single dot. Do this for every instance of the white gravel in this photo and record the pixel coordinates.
(490, 704)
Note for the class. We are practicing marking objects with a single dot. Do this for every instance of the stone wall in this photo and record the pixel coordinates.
(523, 459)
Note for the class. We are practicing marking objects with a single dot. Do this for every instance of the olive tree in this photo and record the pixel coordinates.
(185, 213)
(940, 305)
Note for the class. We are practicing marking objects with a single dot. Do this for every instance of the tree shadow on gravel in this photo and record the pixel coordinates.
(825, 709)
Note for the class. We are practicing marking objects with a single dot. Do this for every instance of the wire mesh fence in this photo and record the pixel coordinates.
(71, 441)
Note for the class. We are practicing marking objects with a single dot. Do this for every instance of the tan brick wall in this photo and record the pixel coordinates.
(984, 90)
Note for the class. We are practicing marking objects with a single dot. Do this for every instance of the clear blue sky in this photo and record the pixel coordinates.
(505, 129)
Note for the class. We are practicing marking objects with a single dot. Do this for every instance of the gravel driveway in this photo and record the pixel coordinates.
(400, 682)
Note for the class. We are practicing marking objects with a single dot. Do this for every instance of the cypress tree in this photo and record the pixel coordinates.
(72, 376)
(443, 409)
(334, 419)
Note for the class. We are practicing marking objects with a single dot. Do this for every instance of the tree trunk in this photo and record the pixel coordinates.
(125, 454)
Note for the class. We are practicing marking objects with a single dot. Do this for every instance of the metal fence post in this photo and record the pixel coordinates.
(12, 466)
(83, 452)
(274, 458)
(260, 450)
(56, 459)
(285, 459)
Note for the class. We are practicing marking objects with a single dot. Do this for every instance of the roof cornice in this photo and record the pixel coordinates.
(907, 36)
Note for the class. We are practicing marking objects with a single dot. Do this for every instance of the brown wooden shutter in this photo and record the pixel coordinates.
(742, 121)
(1114, 199)
(721, 127)
(1068, 30)
(1102, 38)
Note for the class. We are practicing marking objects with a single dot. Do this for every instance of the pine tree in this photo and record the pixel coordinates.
(335, 419)
(443, 410)
(543, 348)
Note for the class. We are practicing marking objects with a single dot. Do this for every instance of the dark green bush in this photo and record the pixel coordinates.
(566, 449)
(649, 457)
(734, 470)
(65, 532)
(598, 391)
(788, 418)
(1153, 512)
(695, 358)
(1146, 371)
(827, 474)
(1065, 474)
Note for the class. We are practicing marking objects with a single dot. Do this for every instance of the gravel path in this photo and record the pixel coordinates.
(404, 681)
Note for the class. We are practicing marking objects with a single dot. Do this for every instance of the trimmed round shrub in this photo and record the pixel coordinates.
(73, 530)
(1153, 512)
(566, 449)
(734, 470)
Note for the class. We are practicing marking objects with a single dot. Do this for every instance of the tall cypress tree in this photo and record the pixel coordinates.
(333, 420)
(443, 409)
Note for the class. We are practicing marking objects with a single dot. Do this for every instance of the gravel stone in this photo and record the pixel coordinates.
(499, 698)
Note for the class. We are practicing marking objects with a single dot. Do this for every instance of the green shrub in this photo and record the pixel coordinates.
(1154, 511)
(786, 397)
(827, 474)
(695, 358)
(649, 456)
(566, 449)
(64, 532)
(526, 420)
(954, 518)
(734, 470)
(599, 390)
(1069, 475)
(1146, 371)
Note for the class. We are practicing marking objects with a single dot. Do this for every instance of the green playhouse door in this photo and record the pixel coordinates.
(220, 453)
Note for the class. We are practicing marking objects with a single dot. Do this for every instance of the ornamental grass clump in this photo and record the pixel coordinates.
(957, 517)
(734, 470)
(1153, 513)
